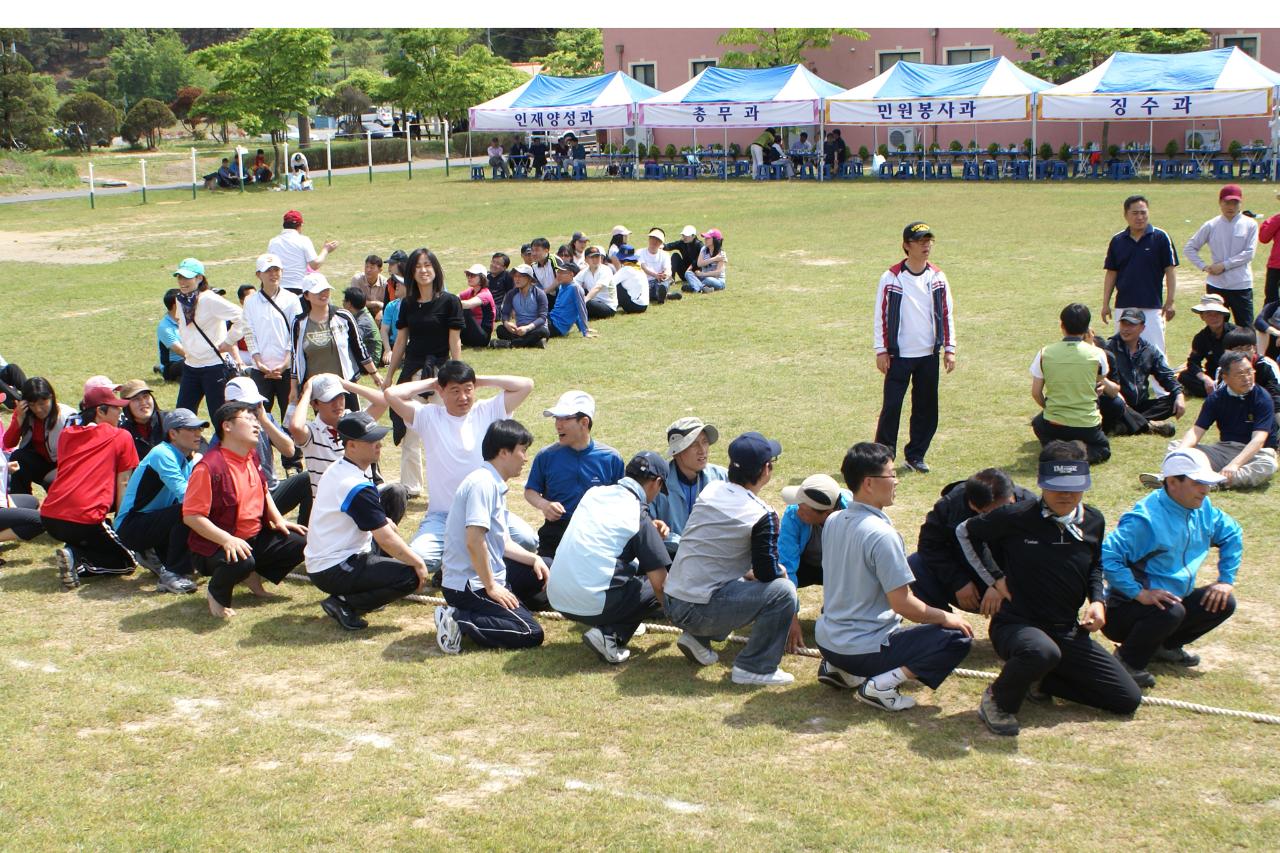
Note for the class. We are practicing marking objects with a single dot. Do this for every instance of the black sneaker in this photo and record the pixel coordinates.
(835, 677)
(674, 294)
(917, 465)
(1141, 677)
(999, 722)
(1178, 656)
(345, 616)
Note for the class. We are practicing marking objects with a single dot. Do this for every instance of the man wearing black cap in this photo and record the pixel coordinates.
(914, 322)
(726, 573)
(345, 522)
(1046, 563)
(1126, 405)
(611, 563)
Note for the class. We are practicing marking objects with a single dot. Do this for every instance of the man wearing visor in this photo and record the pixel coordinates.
(1045, 562)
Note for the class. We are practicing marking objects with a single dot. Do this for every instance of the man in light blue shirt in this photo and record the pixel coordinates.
(1232, 239)
(169, 341)
(689, 443)
(1150, 561)
(477, 548)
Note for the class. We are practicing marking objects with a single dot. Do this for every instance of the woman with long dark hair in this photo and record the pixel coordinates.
(32, 436)
(327, 340)
(430, 333)
(142, 419)
(712, 261)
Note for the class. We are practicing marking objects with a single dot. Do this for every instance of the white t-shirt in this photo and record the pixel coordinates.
(634, 282)
(658, 260)
(332, 534)
(270, 331)
(603, 276)
(295, 251)
(212, 315)
(451, 445)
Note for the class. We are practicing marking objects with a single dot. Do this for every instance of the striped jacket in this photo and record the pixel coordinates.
(888, 311)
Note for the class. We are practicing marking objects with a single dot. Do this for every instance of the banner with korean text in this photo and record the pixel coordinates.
(551, 118)
(725, 115)
(1150, 106)
(930, 110)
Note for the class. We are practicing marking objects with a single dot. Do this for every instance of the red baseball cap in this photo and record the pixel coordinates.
(1229, 192)
(101, 395)
(292, 218)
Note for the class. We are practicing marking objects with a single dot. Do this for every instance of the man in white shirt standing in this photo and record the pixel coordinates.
(268, 319)
(1232, 240)
(297, 252)
(914, 322)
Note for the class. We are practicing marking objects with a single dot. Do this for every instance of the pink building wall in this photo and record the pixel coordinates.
(848, 63)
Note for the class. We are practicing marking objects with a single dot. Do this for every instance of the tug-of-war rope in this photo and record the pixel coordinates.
(657, 628)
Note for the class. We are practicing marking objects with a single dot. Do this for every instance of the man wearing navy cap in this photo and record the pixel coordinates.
(1045, 562)
(611, 564)
(915, 331)
(345, 522)
(732, 536)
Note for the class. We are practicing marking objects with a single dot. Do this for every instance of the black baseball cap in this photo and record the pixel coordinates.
(359, 426)
(1133, 315)
(646, 464)
(751, 450)
(916, 231)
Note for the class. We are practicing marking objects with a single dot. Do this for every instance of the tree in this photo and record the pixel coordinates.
(146, 119)
(269, 74)
(217, 110)
(443, 72)
(578, 53)
(182, 107)
(26, 109)
(779, 45)
(519, 44)
(348, 102)
(86, 116)
(151, 64)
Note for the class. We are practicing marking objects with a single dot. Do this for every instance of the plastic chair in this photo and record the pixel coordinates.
(579, 170)
(943, 172)
(969, 171)
(477, 173)
(886, 171)
(1192, 170)
(627, 169)
(904, 170)
(1222, 168)
(850, 169)
(652, 172)
(990, 170)
(1058, 172)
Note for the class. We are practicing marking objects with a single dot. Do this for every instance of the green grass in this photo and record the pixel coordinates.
(21, 170)
(133, 721)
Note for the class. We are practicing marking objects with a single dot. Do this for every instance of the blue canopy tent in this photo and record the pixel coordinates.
(722, 98)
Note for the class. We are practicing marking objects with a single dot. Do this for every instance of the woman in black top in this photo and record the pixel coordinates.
(430, 325)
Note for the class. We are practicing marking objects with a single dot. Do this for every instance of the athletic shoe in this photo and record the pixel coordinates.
(167, 581)
(345, 616)
(499, 343)
(833, 676)
(764, 679)
(917, 465)
(149, 560)
(606, 646)
(1141, 677)
(1164, 428)
(695, 650)
(1179, 656)
(640, 631)
(448, 634)
(1150, 481)
(542, 343)
(674, 294)
(998, 721)
(68, 571)
(885, 700)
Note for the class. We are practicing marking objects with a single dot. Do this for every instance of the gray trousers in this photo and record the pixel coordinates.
(1255, 472)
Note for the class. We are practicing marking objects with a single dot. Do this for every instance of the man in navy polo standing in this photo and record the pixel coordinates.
(1139, 260)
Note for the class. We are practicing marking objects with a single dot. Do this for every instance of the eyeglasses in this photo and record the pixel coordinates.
(893, 476)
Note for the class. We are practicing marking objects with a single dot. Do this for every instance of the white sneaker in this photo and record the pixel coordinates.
(448, 634)
(885, 700)
(606, 646)
(640, 630)
(695, 651)
(767, 679)
(68, 570)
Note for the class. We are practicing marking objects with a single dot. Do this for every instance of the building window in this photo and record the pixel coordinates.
(1249, 44)
(888, 58)
(645, 72)
(697, 66)
(963, 55)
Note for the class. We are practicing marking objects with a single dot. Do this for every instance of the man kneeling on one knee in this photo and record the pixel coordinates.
(1151, 560)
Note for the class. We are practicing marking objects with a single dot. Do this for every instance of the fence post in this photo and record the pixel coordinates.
(240, 166)
(286, 170)
(91, 202)
(143, 162)
(408, 149)
(193, 174)
(328, 158)
(369, 139)
(446, 148)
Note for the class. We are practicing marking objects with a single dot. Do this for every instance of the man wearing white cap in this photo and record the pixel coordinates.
(268, 321)
(655, 263)
(684, 257)
(689, 443)
(809, 505)
(523, 314)
(562, 472)
(1045, 566)
(1151, 559)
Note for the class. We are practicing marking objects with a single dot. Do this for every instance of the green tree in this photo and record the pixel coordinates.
(577, 53)
(151, 64)
(86, 112)
(26, 109)
(217, 110)
(267, 75)
(347, 102)
(443, 72)
(779, 45)
(146, 119)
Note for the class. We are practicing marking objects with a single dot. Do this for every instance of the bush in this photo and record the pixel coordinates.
(735, 149)
(955, 145)
(1171, 148)
(882, 150)
(146, 119)
(1046, 152)
(654, 153)
(1064, 152)
(1113, 151)
(1234, 148)
(993, 148)
(671, 151)
(354, 152)
(20, 170)
(863, 154)
(87, 112)
(1028, 146)
(933, 146)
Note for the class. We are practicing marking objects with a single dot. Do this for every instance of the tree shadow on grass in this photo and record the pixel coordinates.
(311, 628)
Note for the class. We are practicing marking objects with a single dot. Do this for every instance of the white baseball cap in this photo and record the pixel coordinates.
(477, 269)
(314, 282)
(243, 390)
(817, 491)
(1190, 462)
(688, 231)
(267, 261)
(325, 387)
(572, 403)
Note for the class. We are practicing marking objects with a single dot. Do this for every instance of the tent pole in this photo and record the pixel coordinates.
(725, 174)
(1035, 144)
(822, 134)
(1151, 149)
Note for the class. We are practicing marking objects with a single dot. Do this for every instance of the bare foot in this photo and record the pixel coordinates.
(217, 609)
(254, 582)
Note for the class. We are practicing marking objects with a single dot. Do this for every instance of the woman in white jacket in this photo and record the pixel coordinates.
(327, 340)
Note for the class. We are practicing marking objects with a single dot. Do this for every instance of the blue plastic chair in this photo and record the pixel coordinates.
(1192, 170)
(990, 170)
(653, 171)
(579, 171)
(904, 170)
(886, 171)
(944, 172)
(627, 169)
(969, 171)
(1222, 167)
(477, 173)
(848, 169)
(1058, 172)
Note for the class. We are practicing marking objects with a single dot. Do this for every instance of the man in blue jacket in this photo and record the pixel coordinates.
(1150, 561)
(689, 443)
(809, 505)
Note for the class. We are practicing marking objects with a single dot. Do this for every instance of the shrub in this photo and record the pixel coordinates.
(1234, 148)
(1028, 146)
(146, 119)
(863, 154)
(1046, 152)
(735, 149)
(1113, 151)
(671, 152)
(933, 146)
(355, 153)
(1171, 148)
(955, 145)
(654, 153)
(98, 119)
(1064, 152)
(882, 150)
(993, 148)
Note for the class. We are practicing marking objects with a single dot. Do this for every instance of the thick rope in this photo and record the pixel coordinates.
(657, 628)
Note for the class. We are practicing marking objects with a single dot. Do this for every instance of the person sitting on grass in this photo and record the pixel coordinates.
(712, 263)
(689, 443)
(655, 263)
(866, 592)
(32, 436)
(1126, 405)
(236, 533)
(1064, 382)
(500, 281)
(943, 576)
(95, 458)
(19, 514)
(1151, 560)
(1206, 347)
(1245, 454)
(150, 518)
(570, 306)
(347, 520)
(726, 573)
(684, 258)
(479, 552)
(598, 288)
(809, 505)
(1046, 564)
(523, 314)
(611, 564)
(142, 418)
(261, 171)
(372, 285)
(1266, 371)
(633, 286)
(479, 306)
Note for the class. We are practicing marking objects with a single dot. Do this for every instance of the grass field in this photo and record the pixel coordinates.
(133, 721)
